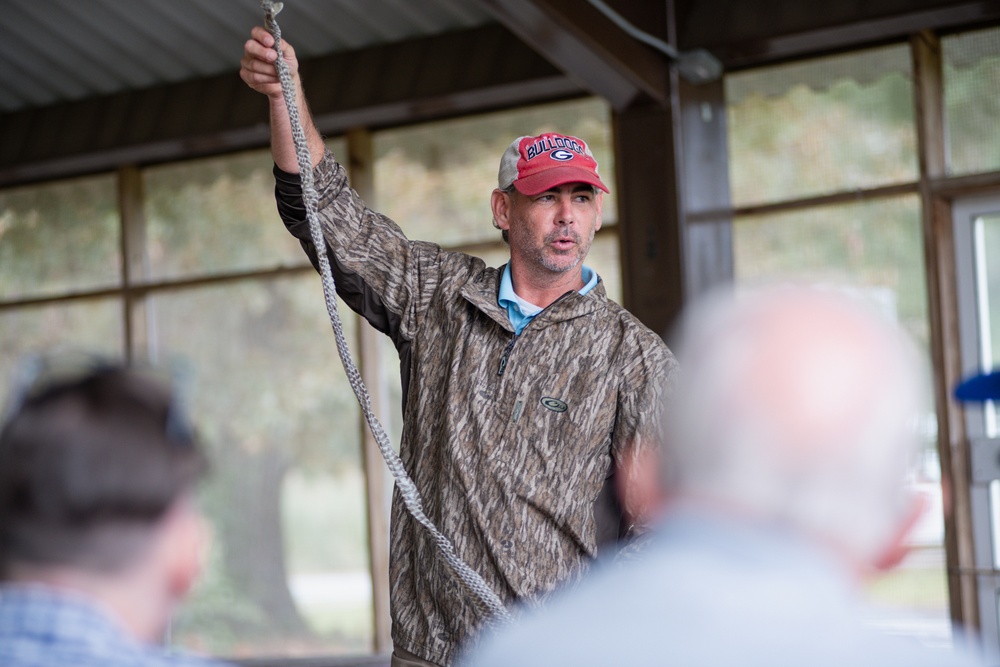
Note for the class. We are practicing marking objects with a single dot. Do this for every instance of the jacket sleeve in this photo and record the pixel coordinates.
(647, 382)
(380, 274)
(646, 387)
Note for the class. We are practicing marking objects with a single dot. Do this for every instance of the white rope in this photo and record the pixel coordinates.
(411, 497)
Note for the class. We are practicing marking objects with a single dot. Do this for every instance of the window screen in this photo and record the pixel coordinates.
(972, 100)
(288, 570)
(87, 324)
(214, 216)
(58, 237)
(821, 126)
(833, 126)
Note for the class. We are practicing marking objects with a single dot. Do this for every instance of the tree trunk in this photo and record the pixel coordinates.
(250, 529)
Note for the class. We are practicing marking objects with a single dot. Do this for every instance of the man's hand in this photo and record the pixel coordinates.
(257, 66)
(257, 71)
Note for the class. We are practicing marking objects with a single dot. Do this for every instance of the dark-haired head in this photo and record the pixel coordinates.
(89, 467)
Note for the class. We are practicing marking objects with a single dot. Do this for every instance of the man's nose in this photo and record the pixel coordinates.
(565, 211)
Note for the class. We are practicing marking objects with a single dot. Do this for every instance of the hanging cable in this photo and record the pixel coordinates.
(698, 66)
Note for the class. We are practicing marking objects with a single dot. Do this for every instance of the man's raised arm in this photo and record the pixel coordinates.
(257, 71)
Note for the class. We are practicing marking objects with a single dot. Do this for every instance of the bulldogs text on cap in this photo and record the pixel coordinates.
(536, 164)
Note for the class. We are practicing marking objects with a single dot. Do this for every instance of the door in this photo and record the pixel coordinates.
(977, 250)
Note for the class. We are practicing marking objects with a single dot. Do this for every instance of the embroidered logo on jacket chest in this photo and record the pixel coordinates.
(553, 404)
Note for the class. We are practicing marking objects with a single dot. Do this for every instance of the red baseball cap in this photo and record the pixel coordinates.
(536, 164)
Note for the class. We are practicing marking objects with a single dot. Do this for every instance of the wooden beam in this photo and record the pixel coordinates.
(134, 267)
(766, 32)
(835, 199)
(361, 171)
(942, 293)
(159, 286)
(458, 73)
(969, 184)
(582, 42)
(704, 176)
(670, 161)
(649, 207)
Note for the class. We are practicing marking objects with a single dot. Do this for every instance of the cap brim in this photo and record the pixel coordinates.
(979, 388)
(550, 178)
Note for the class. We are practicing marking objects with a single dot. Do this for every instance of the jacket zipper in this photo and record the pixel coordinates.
(510, 346)
(506, 356)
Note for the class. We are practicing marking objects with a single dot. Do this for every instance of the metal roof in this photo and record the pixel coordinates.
(61, 50)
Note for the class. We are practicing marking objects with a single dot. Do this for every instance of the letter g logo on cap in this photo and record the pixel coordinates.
(561, 155)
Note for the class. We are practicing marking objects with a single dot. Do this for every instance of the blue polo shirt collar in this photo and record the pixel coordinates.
(519, 311)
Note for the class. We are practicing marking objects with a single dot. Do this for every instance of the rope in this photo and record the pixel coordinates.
(487, 599)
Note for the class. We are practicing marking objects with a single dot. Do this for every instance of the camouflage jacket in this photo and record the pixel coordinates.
(509, 439)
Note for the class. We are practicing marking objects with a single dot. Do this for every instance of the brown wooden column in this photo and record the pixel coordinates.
(135, 265)
(361, 169)
(942, 294)
(649, 212)
(673, 182)
(705, 201)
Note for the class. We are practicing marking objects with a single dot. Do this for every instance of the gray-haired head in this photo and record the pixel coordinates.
(797, 405)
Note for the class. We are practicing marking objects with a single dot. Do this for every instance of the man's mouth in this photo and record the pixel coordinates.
(563, 242)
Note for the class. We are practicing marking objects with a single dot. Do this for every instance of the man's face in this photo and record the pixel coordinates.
(551, 231)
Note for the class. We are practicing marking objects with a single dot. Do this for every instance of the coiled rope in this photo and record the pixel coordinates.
(487, 599)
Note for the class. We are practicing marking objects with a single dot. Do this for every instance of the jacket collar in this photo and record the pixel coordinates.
(483, 290)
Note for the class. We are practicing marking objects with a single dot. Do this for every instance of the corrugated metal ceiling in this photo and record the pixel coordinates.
(60, 50)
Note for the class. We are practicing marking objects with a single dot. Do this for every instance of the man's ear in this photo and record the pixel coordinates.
(599, 198)
(186, 544)
(898, 547)
(500, 203)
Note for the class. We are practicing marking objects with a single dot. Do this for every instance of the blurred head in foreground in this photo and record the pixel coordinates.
(789, 445)
(97, 471)
(798, 406)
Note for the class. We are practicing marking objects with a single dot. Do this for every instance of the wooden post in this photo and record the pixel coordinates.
(704, 176)
(135, 265)
(942, 294)
(649, 214)
(672, 163)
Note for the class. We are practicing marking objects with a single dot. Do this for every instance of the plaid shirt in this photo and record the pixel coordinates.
(40, 627)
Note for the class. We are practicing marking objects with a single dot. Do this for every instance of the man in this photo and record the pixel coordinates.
(784, 470)
(521, 385)
(99, 537)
